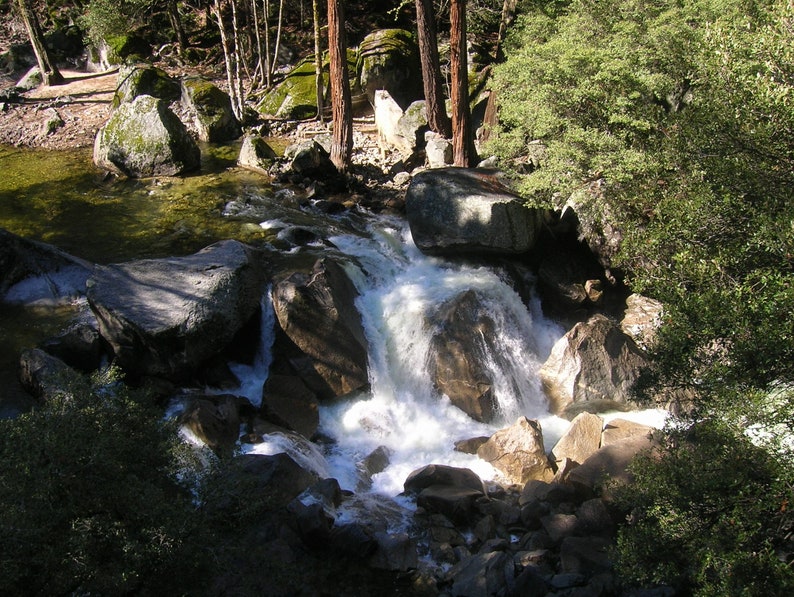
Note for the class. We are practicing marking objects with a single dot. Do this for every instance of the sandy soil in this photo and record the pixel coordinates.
(82, 103)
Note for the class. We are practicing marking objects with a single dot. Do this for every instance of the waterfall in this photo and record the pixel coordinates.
(403, 413)
(253, 376)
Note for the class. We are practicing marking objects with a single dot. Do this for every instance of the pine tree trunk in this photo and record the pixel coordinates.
(462, 139)
(508, 14)
(50, 75)
(341, 102)
(318, 60)
(437, 118)
(228, 56)
(268, 65)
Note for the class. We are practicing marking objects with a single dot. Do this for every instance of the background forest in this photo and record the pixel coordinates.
(670, 122)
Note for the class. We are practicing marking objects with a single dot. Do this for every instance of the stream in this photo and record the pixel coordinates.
(62, 199)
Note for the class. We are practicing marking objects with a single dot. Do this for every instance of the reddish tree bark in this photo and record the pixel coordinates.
(339, 85)
(462, 138)
(437, 118)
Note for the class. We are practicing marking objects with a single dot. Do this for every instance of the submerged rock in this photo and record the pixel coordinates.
(145, 138)
(165, 317)
(455, 211)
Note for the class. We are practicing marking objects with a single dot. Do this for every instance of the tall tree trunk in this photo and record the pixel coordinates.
(176, 25)
(318, 59)
(229, 57)
(259, 71)
(268, 65)
(50, 75)
(278, 34)
(462, 138)
(437, 118)
(341, 103)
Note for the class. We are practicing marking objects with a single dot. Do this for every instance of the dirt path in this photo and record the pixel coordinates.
(82, 103)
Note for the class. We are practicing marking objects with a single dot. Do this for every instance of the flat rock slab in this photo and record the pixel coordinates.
(165, 317)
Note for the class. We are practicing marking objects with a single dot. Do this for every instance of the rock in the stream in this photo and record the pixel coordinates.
(592, 368)
(144, 79)
(165, 317)
(454, 211)
(215, 420)
(581, 439)
(286, 401)
(44, 376)
(518, 452)
(460, 349)
(32, 271)
(256, 154)
(145, 138)
(317, 313)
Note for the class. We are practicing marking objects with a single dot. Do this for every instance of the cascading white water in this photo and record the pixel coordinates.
(399, 287)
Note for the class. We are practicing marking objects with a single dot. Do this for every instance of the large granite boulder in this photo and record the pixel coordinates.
(446, 490)
(32, 271)
(165, 317)
(296, 96)
(389, 59)
(460, 352)
(592, 368)
(144, 79)
(518, 452)
(211, 108)
(214, 419)
(145, 138)
(286, 401)
(317, 312)
(468, 210)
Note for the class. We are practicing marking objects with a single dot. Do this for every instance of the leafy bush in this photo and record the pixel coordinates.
(706, 516)
(89, 501)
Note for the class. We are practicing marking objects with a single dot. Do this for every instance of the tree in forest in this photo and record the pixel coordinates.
(318, 59)
(437, 118)
(50, 75)
(339, 79)
(462, 138)
(230, 42)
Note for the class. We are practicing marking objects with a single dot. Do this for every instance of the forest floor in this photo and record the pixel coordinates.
(82, 103)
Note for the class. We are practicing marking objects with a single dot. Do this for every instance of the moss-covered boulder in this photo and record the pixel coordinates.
(212, 111)
(296, 96)
(256, 154)
(389, 59)
(144, 138)
(144, 79)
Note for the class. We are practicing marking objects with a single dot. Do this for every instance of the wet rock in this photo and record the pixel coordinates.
(518, 452)
(317, 313)
(395, 552)
(581, 439)
(440, 474)
(269, 481)
(215, 420)
(312, 521)
(375, 462)
(471, 445)
(211, 109)
(456, 503)
(454, 211)
(310, 160)
(145, 138)
(32, 271)
(44, 376)
(165, 317)
(461, 349)
(286, 401)
(592, 368)
(256, 154)
(353, 539)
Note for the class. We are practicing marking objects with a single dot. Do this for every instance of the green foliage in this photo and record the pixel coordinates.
(700, 530)
(89, 501)
(108, 19)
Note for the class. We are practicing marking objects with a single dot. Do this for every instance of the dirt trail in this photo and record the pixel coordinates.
(82, 103)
